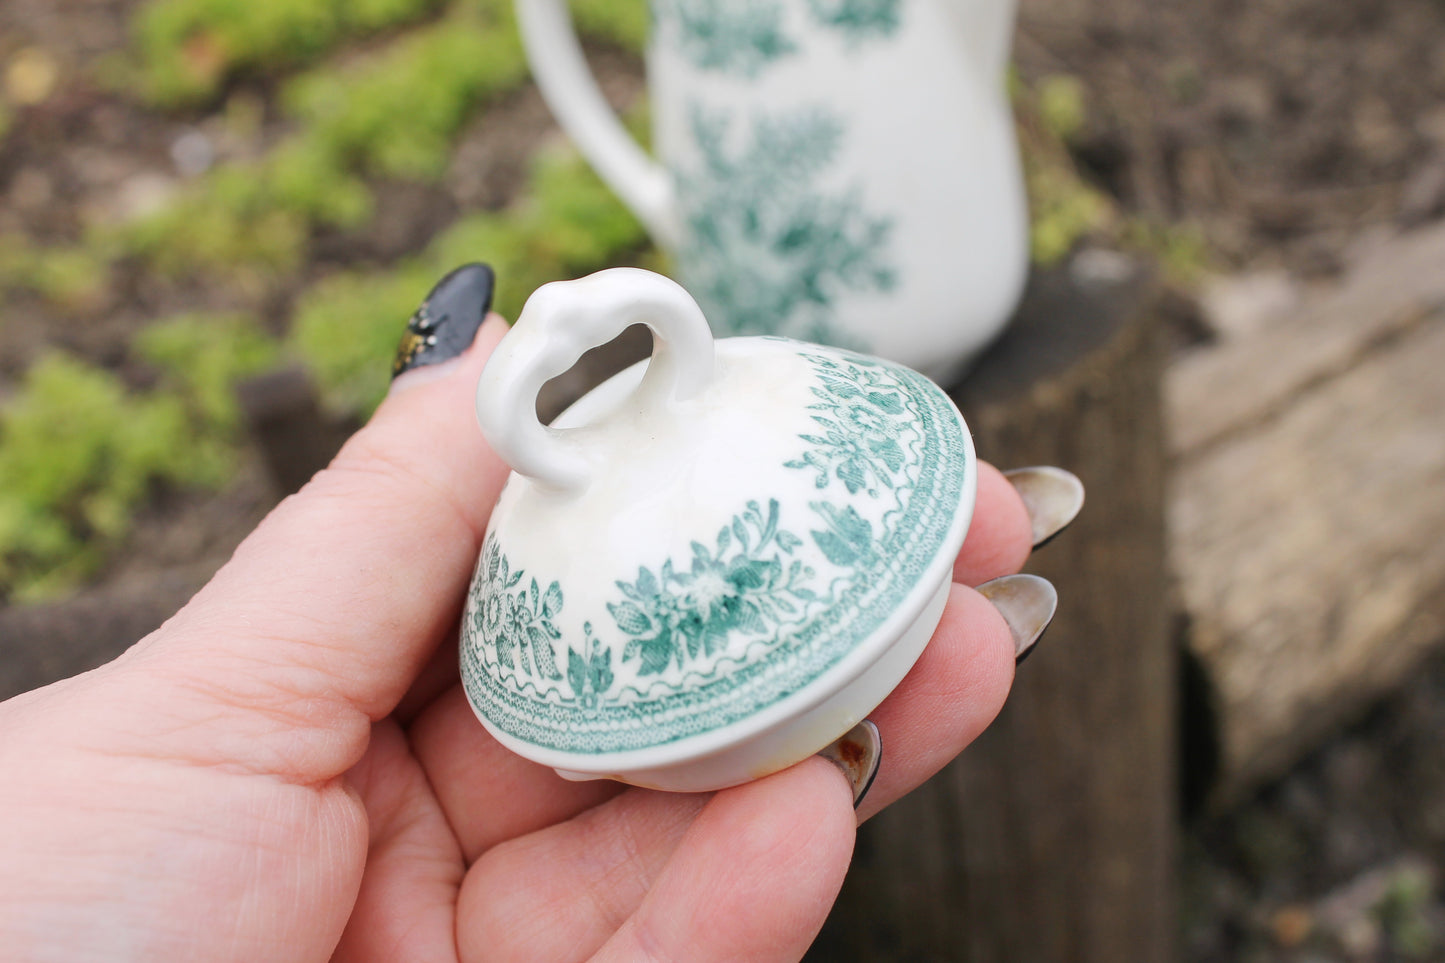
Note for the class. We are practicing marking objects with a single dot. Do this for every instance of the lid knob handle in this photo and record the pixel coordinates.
(559, 322)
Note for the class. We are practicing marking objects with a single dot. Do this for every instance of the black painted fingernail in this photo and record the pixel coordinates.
(1027, 603)
(447, 321)
(857, 752)
(1052, 497)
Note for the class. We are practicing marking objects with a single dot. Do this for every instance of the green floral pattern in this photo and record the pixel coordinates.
(589, 672)
(753, 615)
(859, 19)
(520, 621)
(729, 36)
(770, 252)
(745, 587)
(743, 37)
(858, 407)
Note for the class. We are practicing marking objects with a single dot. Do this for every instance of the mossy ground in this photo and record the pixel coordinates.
(263, 254)
(335, 139)
(265, 250)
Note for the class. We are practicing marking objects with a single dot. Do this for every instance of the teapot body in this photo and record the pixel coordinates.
(839, 171)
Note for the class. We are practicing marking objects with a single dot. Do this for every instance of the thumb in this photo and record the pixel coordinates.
(325, 614)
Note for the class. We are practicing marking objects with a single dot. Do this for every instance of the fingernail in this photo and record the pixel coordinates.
(1027, 604)
(857, 752)
(1052, 497)
(446, 322)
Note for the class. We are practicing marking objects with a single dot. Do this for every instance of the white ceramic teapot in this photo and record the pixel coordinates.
(841, 171)
(715, 563)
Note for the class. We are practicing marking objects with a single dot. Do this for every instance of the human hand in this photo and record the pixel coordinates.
(288, 770)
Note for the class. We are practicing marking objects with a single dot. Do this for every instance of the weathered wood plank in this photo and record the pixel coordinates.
(1211, 393)
(1310, 542)
(296, 439)
(42, 643)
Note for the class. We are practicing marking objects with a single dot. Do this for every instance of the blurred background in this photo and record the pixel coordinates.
(216, 216)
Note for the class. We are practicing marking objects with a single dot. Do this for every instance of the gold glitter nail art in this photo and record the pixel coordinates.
(447, 321)
(420, 335)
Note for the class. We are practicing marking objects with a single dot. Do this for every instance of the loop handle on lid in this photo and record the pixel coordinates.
(559, 322)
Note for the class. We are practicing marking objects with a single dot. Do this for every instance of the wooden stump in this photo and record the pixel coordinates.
(283, 413)
(1052, 837)
(55, 640)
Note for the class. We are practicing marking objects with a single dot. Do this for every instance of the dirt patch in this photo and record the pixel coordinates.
(1285, 129)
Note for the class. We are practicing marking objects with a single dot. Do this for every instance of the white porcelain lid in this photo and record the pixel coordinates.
(707, 544)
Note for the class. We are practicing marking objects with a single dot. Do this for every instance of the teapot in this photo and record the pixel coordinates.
(715, 563)
(840, 171)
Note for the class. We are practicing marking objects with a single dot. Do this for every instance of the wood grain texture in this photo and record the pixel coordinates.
(42, 643)
(1211, 393)
(284, 416)
(1310, 546)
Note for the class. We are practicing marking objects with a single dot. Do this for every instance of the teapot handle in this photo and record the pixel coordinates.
(571, 91)
(559, 322)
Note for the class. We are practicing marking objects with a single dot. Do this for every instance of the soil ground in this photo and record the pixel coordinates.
(1285, 131)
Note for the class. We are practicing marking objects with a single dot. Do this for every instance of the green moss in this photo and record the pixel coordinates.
(1061, 105)
(68, 278)
(394, 114)
(76, 455)
(1181, 250)
(1063, 209)
(347, 327)
(397, 114)
(567, 224)
(188, 48)
(78, 451)
(229, 223)
(623, 22)
(201, 358)
(308, 181)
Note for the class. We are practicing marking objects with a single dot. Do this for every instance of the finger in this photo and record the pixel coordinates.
(441, 673)
(754, 876)
(999, 536)
(325, 615)
(489, 793)
(406, 908)
(560, 893)
(950, 695)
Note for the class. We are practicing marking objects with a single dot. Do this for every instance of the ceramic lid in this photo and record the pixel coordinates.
(708, 543)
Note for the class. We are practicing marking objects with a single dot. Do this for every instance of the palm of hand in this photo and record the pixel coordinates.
(288, 769)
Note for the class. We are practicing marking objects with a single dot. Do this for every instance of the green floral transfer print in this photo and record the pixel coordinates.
(859, 406)
(744, 587)
(730, 36)
(742, 590)
(848, 541)
(520, 621)
(589, 672)
(859, 19)
(751, 617)
(769, 251)
(744, 37)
